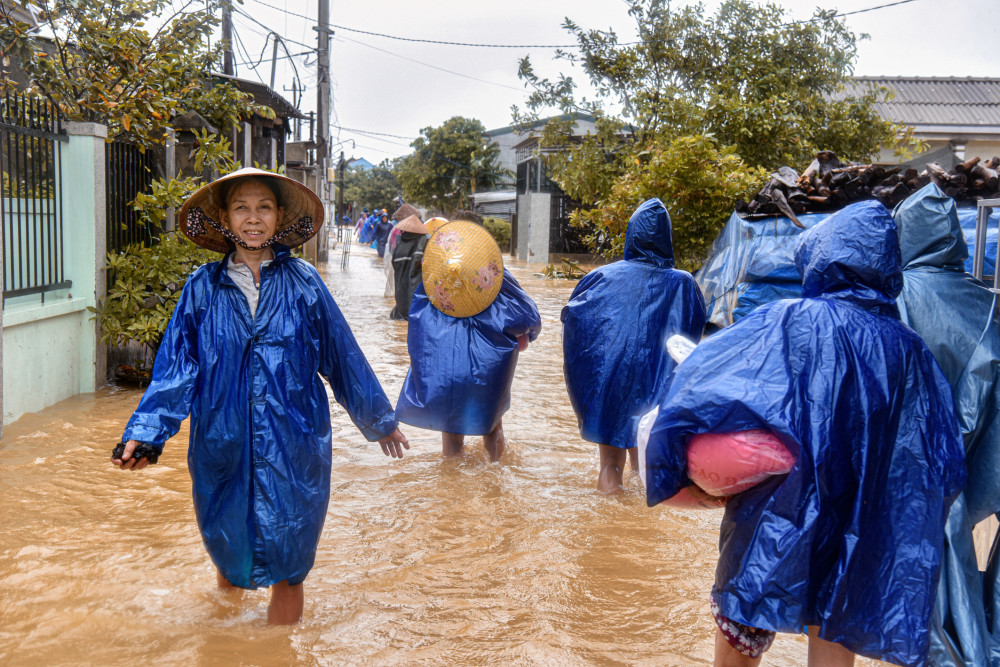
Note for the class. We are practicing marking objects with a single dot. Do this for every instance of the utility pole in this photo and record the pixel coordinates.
(227, 38)
(323, 106)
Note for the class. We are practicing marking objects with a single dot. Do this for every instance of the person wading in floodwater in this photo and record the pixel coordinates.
(468, 322)
(614, 328)
(243, 355)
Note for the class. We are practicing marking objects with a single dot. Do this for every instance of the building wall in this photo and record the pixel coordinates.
(947, 152)
(533, 222)
(51, 348)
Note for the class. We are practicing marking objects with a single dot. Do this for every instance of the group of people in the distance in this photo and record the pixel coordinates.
(824, 425)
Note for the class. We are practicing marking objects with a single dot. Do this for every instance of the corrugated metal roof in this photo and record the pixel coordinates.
(961, 101)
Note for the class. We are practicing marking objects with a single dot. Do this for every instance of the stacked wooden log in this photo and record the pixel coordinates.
(829, 184)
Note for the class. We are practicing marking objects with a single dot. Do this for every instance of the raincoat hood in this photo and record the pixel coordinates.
(930, 233)
(649, 236)
(854, 255)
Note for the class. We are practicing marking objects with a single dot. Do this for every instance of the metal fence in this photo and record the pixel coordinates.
(31, 201)
(564, 237)
(129, 171)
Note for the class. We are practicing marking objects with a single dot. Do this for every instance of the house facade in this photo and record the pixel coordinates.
(957, 117)
(537, 208)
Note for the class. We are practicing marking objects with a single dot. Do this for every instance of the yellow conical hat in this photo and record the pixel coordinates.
(434, 223)
(462, 269)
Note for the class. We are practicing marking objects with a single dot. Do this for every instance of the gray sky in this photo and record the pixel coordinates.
(392, 87)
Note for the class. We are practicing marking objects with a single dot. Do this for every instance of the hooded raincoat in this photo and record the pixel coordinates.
(850, 540)
(957, 317)
(260, 447)
(382, 230)
(461, 367)
(615, 327)
(367, 234)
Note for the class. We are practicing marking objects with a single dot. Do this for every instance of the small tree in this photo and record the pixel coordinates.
(449, 163)
(697, 180)
(146, 282)
(99, 63)
(767, 89)
(374, 188)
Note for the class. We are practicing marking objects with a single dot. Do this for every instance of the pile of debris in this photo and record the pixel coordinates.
(829, 184)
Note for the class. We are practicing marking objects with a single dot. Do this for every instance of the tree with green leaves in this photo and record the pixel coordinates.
(99, 61)
(766, 90)
(373, 188)
(448, 163)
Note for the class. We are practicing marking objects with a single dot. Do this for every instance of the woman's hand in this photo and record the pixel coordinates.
(126, 462)
(522, 342)
(394, 444)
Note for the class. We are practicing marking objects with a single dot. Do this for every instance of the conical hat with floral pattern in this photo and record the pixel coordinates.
(200, 220)
(434, 223)
(462, 269)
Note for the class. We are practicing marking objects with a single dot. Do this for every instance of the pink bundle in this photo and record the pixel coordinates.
(724, 464)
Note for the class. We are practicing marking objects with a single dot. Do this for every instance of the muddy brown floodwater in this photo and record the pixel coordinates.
(422, 560)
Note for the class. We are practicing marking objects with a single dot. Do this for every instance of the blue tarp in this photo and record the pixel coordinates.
(957, 317)
(850, 540)
(751, 262)
(615, 326)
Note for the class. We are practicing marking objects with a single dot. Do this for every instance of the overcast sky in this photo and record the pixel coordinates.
(384, 86)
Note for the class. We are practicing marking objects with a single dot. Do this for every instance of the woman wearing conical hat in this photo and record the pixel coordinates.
(244, 353)
(468, 321)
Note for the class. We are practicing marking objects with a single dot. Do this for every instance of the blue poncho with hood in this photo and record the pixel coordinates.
(850, 540)
(367, 234)
(615, 327)
(461, 368)
(957, 317)
(260, 446)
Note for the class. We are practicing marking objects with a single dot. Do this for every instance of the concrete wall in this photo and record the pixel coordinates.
(948, 152)
(51, 348)
(534, 211)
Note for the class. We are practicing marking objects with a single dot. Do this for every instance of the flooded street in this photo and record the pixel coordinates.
(458, 562)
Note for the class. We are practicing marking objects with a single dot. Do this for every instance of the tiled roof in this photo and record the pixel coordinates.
(951, 101)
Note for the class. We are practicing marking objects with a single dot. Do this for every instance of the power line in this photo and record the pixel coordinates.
(541, 46)
(442, 69)
(375, 134)
(297, 43)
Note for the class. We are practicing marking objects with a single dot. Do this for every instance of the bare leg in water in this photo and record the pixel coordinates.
(612, 472)
(821, 653)
(287, 601)
(494, 442)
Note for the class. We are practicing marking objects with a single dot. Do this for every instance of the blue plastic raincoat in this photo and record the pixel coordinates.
(850, 540)
(260, 449)
(367, 234)
(957, 317)
(615, 327)
(382, 230)
(461, 367)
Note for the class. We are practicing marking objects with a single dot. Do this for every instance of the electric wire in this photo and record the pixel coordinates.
(547, 46)
(419, 62)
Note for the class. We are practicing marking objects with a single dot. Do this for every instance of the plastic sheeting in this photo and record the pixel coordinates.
(752, 262)
(260, 447)
(850, 540)
(461, 368)
(615, 328)
(957, 317)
